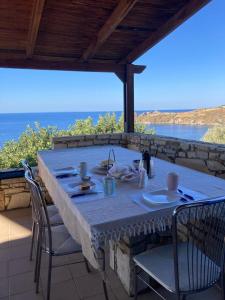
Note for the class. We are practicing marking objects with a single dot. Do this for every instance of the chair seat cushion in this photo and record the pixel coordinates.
(62, 242)
(54, 217)
(159, 264)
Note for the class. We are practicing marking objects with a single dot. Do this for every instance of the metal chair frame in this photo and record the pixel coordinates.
(201, 225)
(43, 223)
(28, 168)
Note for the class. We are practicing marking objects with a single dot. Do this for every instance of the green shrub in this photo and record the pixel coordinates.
(39, 138)
(215, 134)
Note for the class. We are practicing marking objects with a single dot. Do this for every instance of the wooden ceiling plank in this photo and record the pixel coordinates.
(34, 26)
(119, 13)
(186, 12)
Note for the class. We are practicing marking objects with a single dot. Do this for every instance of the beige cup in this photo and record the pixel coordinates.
(172, 181)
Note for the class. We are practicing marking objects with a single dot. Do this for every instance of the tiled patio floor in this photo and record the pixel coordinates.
(69, 282)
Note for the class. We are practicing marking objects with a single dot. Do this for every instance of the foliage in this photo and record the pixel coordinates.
(38, 138)
(215, 134)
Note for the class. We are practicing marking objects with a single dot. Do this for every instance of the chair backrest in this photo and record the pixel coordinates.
(198, 240)
(40, 211)
(27, 167)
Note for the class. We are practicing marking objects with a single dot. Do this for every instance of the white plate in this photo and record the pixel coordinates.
(160, 197)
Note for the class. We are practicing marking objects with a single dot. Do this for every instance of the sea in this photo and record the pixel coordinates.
(13, 124)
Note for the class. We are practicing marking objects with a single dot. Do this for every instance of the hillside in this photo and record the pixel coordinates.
(203, 116)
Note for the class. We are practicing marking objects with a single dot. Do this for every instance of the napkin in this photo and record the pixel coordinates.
(65, 171)
(119, 170)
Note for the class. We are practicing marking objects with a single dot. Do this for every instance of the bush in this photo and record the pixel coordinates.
(37, 138)
(215, 134)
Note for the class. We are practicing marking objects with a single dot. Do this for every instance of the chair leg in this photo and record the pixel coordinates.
(32, 240)
(38, 270)
(105, 290)
(223, 286)
(49, 277)
(86, 265)
(135, 284)
(37, 257)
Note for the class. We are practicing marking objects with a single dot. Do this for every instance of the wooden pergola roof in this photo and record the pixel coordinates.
(86, 35)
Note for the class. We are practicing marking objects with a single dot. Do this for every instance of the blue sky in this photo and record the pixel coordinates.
(185, 70)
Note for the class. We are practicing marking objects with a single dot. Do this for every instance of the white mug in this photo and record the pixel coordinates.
(172, 181)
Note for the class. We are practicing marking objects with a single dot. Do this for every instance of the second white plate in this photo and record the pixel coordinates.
(160, 197)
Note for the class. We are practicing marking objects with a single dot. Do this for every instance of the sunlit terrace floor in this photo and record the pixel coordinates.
(69, 282)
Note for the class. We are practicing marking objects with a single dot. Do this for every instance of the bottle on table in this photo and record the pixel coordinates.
(146, 158)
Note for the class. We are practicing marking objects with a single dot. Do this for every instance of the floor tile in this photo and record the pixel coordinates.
(17, 214)
(59, 274)
(4, 287)
(4, 240)
(16, 240)
(21, 265)
(63, 291)
(31, 295)
(78, 270)
(4, 254)
(3, 269)
(20, 251)
(20, 229)
(102, 296)
(21, 283)
(92, 281)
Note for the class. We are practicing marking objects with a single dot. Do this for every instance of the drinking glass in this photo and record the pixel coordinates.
(83, 169)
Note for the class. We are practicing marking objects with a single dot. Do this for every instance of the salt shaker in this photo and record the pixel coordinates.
(142, 178)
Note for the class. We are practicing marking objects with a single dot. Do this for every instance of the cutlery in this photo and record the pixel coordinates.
(188, 197)
(83, 194)
(65, 175)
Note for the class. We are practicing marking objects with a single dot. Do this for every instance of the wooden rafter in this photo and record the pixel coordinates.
(189, 9)
(119, 13)
(44, 63)
(34, 26)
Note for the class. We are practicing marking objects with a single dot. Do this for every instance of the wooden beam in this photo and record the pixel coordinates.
(187, 11)
(135, 69)
(37, 11)
(21, 62)
(119, 13)
(129, 99)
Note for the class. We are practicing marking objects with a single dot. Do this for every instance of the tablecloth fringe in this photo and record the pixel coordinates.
(145, 227)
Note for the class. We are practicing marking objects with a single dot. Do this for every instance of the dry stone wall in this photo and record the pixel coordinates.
(204, 157)
(14, 193)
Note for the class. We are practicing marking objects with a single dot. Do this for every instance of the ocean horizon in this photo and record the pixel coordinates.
(13, 124)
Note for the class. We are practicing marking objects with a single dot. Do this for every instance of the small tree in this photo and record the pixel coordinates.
(215, 134)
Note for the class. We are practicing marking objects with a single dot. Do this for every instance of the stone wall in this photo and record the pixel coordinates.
(205, 157)
(14, 192)
(89, 140)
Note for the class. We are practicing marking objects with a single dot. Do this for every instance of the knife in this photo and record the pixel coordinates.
(185, 195)
(66, 175)
(83, 194)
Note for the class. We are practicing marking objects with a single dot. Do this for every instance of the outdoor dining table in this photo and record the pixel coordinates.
(96, 219)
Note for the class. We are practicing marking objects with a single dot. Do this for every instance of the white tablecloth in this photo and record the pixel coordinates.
(96, 219)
